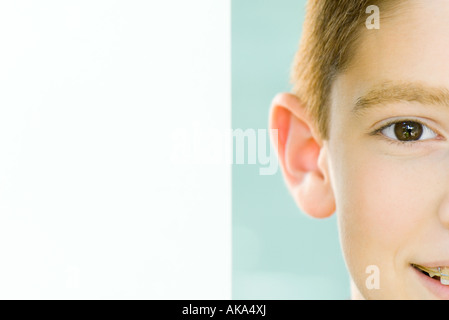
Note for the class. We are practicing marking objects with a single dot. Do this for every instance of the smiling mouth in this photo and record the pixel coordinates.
(438, 273)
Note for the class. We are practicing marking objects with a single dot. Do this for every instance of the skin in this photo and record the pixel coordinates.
(391, 198)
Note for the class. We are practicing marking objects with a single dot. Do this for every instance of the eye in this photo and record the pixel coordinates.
(405, 131)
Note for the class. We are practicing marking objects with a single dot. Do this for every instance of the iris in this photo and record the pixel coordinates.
(408, 130)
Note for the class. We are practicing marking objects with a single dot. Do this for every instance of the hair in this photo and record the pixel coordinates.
(327, 46)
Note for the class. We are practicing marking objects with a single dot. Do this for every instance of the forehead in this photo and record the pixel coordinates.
(411, 45)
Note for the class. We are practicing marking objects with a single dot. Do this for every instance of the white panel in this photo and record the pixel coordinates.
(91, 206)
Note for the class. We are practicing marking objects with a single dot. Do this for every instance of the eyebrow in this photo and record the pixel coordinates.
(390, 92)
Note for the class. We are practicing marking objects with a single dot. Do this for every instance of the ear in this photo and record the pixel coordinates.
(302, 156)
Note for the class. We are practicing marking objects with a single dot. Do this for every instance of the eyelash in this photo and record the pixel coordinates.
(378, 132)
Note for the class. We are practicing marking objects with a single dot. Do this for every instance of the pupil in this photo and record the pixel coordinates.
(408, 131)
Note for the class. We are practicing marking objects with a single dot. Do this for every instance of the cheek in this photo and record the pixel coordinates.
(382, 204)
(377, 201)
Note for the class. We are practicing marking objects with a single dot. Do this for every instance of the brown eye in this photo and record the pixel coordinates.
(408, 131)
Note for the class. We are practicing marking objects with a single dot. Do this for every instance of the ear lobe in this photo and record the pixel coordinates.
(302, 157)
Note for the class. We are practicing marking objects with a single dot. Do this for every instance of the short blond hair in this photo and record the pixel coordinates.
(330, 31)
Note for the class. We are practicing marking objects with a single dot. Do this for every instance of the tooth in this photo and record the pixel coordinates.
(444, 275)
(431, 274)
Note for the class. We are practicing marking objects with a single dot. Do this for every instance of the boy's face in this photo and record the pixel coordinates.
(388, 153)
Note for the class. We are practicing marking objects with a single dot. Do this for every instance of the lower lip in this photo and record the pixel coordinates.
(433, 285)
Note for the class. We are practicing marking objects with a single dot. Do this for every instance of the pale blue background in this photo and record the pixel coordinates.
(278, 252)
